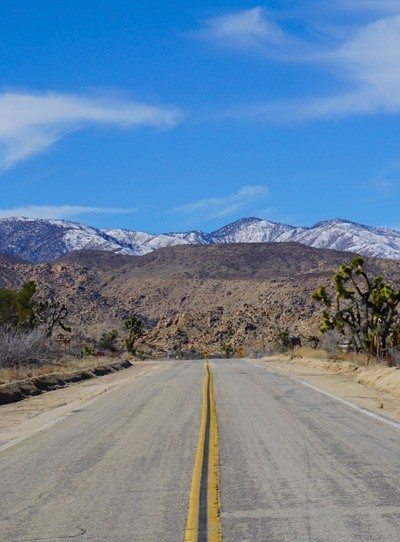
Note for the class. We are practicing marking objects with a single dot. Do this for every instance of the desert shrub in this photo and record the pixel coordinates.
(108, 340)
(21, 347)
(314, 341)
(88, 350)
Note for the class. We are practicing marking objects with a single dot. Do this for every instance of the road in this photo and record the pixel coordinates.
(295, 465)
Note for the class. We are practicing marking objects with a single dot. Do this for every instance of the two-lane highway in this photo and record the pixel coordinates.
(295, 465)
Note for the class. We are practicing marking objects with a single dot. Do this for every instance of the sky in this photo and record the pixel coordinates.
(171, 116)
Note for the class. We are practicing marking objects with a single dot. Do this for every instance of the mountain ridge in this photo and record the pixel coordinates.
(41, 240)
(191, 297)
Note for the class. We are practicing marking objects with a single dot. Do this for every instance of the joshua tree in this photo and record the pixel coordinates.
(365, 308)
(134, 327)
(228, 351)
(19, 309)
(50, 314)
(283, 337)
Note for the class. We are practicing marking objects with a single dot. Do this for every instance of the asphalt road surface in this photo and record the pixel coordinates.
(295, 465)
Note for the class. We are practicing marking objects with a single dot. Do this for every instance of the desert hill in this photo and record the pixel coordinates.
(192, 297)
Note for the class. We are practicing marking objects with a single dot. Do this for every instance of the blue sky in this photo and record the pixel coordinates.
(167, 116)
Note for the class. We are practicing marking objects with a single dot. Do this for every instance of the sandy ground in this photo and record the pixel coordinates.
(66, 365)
(375, 388)
(33, 414)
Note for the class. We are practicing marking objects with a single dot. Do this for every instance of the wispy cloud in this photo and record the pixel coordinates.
(246, 28)
(370, 61)
(60, 211)
(253, 31)
(29, 123)
(366, 61)
(211, 208)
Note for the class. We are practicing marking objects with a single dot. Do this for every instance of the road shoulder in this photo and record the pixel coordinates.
(25, 418)
(345, 384)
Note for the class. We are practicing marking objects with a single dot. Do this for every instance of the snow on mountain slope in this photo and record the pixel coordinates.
(170, 239)
(39, 240)
(253, 230)
(353, 237)
(143, 242)
(135, 239)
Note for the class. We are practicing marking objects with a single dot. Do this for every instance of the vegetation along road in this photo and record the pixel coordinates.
(204, 451)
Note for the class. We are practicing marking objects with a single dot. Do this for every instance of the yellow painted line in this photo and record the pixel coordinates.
(192, 524)
(213, 499)
(214, 531)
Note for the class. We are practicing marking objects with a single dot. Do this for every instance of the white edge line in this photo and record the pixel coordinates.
(38, 430)
(15, 441)
(358, 408)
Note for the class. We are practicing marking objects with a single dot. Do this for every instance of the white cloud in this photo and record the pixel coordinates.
(367, 62)
(29, 123)
(60, 211)
(247, 28)
(370, 60)
(210, 208)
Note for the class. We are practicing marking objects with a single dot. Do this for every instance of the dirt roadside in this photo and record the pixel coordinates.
(20, 420)
(375, 387)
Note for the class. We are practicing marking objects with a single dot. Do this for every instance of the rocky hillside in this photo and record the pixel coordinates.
(192, 297)
(46, 240)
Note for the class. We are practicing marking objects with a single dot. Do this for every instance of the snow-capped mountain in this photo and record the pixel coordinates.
(143, 242)
(39, 240)
(137, 240)
(253, 230)
(349, 236)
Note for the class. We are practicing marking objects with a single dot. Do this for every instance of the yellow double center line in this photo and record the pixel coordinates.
(206, 465)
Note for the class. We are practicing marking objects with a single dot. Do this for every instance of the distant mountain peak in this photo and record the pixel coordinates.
(38, 240)
(337, 221)
(247, 220)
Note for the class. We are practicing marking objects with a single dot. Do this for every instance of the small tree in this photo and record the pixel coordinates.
(227, 350)
(283, 338)
(363, 307)
(17, 307)
(26, 305)
(108, 340)
(8, 310)
(134, 327)
(50, 314)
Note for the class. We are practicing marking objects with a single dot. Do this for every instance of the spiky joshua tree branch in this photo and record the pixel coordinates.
(365, 308)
